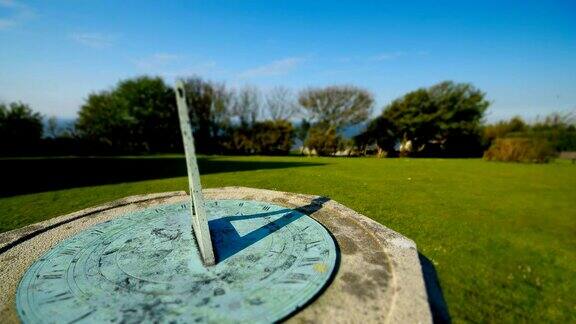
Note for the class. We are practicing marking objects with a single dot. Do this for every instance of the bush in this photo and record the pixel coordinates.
(325, 140)
(272, 137)
(265, 137)
(558, 129)
(520, 150)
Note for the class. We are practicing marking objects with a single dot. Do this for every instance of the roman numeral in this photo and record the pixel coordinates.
(57, 274)
(53, 276)
(310, 245)
(309, 261)
(82, 317)
(68, 251)
(295, 278)
(59, 297)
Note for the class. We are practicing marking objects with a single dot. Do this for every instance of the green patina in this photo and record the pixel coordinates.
(145, 267)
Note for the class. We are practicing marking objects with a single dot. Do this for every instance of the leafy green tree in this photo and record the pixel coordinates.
(138, 115)
(20, 128)
(337, 106)
(442, 119)
(380, 131)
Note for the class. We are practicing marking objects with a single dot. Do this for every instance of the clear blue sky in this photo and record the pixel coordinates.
(522, 53)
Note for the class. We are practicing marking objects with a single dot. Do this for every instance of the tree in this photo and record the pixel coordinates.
(208, 103)
(281, 104)
(20, 128)
(442, 119)
(246, 105)
(337, 106)
(382, 132)
(138, 115)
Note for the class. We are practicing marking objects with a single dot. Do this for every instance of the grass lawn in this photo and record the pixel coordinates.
(502, 237)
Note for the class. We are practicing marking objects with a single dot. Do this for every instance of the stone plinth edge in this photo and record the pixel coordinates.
(379, 278)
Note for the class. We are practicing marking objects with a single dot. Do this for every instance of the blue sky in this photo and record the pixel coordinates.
(521, 53)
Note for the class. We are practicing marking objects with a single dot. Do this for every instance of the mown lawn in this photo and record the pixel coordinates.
(502, 237)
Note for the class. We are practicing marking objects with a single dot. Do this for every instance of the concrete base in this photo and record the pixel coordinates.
(379, 278)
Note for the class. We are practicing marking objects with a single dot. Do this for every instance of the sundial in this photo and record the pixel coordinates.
(202, 261)
(221, 255)
(144, 266)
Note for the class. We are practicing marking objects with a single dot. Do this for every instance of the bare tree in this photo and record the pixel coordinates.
(337, 106)
(208, 102)
(209, 113)
(281, 104)
(221, 105)
(246, 105)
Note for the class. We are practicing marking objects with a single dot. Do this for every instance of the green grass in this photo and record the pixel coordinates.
(502, 237)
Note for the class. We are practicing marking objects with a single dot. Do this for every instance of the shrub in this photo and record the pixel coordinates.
(263, 137)
(325, 140)
(272, 137)
(520, 150)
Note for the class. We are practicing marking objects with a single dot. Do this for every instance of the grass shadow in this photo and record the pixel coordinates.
(32, 175)
(436, 299)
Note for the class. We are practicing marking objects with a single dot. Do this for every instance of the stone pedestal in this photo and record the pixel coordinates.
(378, 279)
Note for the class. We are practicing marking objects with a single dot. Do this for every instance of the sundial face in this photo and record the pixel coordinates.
(145, 266)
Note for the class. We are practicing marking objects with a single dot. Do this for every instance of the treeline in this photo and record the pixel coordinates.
(446, 120)
(139, 116)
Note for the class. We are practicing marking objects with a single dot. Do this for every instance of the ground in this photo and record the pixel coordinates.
(501, 237)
